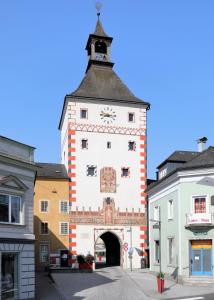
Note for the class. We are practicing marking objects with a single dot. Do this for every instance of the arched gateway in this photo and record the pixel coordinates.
(107, 250)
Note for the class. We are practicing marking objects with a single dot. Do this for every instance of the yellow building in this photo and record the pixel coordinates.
(51, 214)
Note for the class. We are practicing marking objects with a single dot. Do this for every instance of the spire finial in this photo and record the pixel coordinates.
(98, 8)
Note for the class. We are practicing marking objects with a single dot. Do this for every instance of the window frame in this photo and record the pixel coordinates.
(193, 197)
(60, 208)
(95, 170)
(170, 209)
(122, 168)
(40, 206)
(134, 145)
(60, 228)
(157, 251)
(84, 148)
(156, 213)
(81, 110)
(40, 229)
(131, 113)
(21, 212)
(170, 259)
(48, 246)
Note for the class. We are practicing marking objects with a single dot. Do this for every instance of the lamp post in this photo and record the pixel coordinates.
(158, 226)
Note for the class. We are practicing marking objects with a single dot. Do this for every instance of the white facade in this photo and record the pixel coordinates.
(129, 195)
(17, 173)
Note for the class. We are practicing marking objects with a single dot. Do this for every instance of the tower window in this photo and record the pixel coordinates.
(83, 113)
(91, 170)
(132, 146)
(131, 117)
(108, 145)
(100, 47)
(125, 172)
(84, 144)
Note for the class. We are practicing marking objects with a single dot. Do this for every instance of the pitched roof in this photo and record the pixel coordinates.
(202, 160)
(51, 170)
(99, 29)
(179, 157)
(103, 83)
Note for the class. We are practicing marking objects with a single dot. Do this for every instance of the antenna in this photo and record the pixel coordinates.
(98, 8)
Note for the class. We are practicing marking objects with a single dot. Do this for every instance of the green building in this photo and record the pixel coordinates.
(182, 202)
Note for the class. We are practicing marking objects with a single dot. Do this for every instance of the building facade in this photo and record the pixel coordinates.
(17, 175)
(51, 215)
(183, 201)
(103, 146)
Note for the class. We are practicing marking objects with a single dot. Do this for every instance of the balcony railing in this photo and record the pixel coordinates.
(200, 219)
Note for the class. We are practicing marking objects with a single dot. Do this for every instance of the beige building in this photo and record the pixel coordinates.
(51, 214)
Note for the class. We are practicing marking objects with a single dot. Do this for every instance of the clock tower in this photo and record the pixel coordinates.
(104, 148)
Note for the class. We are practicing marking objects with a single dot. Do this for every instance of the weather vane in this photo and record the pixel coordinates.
(98, 8)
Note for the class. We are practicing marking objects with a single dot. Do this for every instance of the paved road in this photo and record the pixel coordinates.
(104, 284)
(114, 284)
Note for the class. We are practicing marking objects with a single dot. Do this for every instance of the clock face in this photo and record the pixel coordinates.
(108, 115)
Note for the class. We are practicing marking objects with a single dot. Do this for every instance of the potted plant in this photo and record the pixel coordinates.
(160, 282)
(85, 262)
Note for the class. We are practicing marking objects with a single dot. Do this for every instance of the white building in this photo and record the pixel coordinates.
(103, 145)
(17, 173)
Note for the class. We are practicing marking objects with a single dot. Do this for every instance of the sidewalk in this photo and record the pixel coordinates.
(148, 284)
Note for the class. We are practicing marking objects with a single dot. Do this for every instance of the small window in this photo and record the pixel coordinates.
(44, 228)
(156, 213)
(170, 209)
(131, 146)
(63, 227)
(199, 205)
(157, 252)
(125, 172)
(83, 113)
(170, 247)
(64, 206)
(84, 144)
(91, 171)
(44, 253)
(44, 206)
(131, 117)
(108, 145)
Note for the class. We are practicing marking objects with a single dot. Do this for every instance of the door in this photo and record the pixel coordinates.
(64, 258)
(201, 258)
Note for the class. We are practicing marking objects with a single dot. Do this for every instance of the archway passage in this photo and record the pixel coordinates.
(112, 249)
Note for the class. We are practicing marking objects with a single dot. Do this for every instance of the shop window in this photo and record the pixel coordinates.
(10, 209)
(63, 227)
(131, 146)
(44, 228)
(44, 253)
(9, 276)
(157, 251)
(44, 206)
(199, 205)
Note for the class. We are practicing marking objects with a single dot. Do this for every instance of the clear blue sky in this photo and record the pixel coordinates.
(162, 49)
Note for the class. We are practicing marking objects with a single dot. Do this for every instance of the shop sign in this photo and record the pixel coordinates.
(199, 219)
(200, 233)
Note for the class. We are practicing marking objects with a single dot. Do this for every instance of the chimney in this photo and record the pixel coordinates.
(201, 144)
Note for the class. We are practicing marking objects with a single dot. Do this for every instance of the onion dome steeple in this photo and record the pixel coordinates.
(98, 46)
